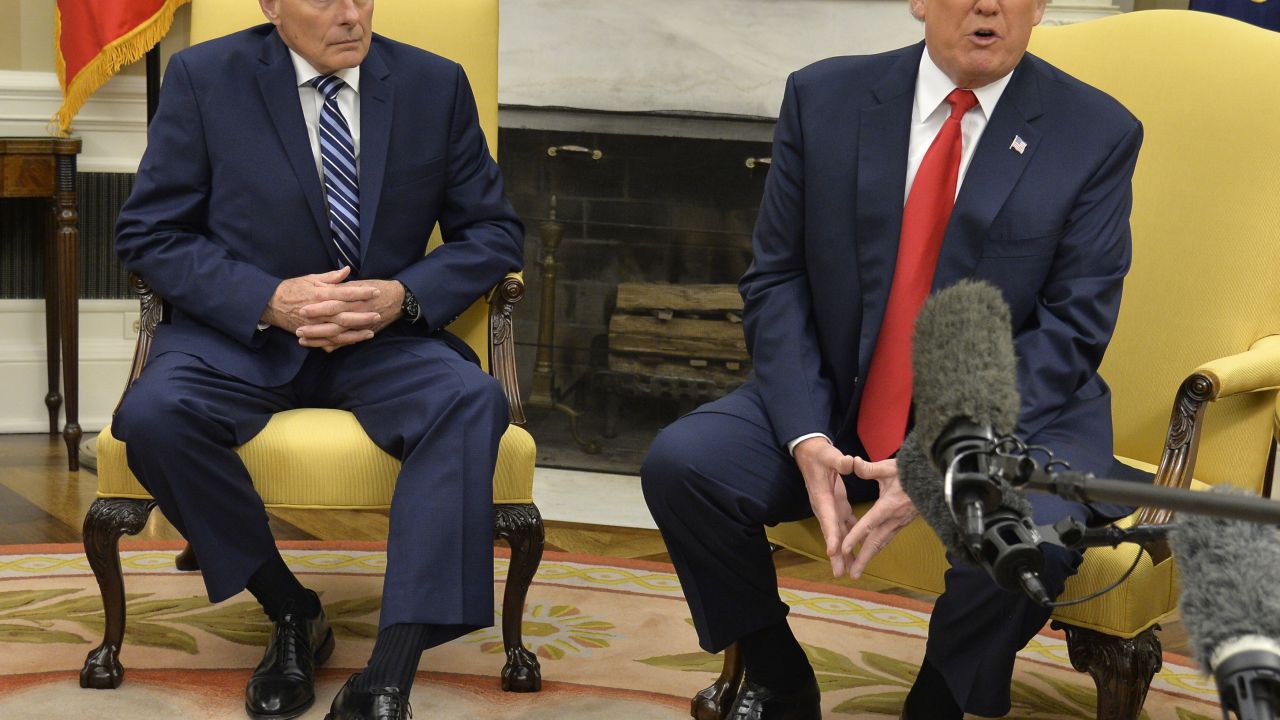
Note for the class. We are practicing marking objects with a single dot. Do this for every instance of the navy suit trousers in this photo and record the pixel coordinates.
(715, 477)
(416, 397)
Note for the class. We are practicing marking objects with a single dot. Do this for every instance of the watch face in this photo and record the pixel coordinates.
(410, 307)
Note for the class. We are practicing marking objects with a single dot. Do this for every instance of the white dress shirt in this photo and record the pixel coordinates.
(928, 113)
(931, 110)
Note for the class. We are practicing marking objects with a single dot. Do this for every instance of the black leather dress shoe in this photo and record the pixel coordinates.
(757, 702)
(283, 685)
(386, 703)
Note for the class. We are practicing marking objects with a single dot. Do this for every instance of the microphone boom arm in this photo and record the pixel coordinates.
(1084, 487)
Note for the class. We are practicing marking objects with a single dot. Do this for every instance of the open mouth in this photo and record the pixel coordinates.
(984, 36)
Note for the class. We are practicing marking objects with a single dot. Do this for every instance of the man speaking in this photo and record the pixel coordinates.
(894, 175)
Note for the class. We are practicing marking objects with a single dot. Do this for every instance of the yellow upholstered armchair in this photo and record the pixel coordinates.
(316, 458)
(1199, 323)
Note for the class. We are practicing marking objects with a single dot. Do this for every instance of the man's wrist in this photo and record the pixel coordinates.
(791, 446)
(410, 311)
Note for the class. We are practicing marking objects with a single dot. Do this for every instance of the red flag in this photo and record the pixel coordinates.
(95, 38)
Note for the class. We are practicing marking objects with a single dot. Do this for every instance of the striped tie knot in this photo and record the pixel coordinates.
(327, 85)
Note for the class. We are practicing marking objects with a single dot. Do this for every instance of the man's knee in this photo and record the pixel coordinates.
(668, 470)
(484, 395)
(152, 417)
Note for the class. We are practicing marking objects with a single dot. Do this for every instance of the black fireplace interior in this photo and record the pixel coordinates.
(650, 209)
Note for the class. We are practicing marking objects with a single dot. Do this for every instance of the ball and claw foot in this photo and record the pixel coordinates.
(102, 669)
(522, 672)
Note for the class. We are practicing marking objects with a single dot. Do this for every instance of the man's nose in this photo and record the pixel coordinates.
(986, 7)
(348, 13)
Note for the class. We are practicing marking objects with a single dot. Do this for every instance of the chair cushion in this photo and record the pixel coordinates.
(916, 560)
(318, 458)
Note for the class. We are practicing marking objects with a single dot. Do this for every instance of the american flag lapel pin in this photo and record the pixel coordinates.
(1018, 144)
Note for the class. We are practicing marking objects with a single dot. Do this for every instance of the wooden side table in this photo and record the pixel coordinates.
(46, 167)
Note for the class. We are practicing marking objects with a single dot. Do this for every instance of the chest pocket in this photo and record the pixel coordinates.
(409, 174)
(1010, 240)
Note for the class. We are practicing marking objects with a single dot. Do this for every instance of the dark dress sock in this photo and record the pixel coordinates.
(396, 653)
(276, 589)
(930, 697)
(774, 658)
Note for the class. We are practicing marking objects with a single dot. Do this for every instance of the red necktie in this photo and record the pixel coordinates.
(882, 416)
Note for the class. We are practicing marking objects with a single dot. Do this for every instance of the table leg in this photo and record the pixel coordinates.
(68, 241)
(53, 400)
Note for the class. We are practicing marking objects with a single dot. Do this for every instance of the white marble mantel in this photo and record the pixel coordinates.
(692, 56)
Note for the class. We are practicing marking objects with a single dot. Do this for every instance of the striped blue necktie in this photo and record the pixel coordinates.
(341, 181)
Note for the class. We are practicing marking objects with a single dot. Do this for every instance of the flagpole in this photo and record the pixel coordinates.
(153, 81)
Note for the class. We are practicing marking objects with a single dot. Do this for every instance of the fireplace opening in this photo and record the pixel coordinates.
(644, 236)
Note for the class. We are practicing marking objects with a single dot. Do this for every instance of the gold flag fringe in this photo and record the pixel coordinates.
(122, 51)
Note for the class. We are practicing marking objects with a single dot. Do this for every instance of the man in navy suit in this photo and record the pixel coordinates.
(293, 174)
(893, 174)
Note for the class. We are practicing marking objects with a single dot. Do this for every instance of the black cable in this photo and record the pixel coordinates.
(1064, 603)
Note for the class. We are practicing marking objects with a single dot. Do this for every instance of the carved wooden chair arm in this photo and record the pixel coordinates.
(502, 342)
(1277, 417)
(152, 312)
(1256, 369)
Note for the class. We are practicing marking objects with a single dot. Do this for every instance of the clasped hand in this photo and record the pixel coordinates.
(822, 466)
(327, 312)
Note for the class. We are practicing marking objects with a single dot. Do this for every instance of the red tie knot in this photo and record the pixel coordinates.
(961, 101)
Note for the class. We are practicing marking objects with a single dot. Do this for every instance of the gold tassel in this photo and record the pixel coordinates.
(122, 51)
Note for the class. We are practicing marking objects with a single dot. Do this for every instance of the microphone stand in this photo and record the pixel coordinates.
(1075, 535)
(1084, 487)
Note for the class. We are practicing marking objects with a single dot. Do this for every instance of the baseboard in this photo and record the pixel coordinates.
(107, 337)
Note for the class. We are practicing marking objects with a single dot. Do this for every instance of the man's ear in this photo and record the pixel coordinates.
(271, 9)
(916, 6)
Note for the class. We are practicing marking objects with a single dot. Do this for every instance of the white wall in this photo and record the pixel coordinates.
(106, 350)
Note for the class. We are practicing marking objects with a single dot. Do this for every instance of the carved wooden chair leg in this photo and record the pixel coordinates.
(521, 526)
(1122, 668)
(107, 520)
(186, 560)
(713, 702)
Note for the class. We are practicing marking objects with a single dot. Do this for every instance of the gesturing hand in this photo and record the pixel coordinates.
(822, 464)
(890, 513)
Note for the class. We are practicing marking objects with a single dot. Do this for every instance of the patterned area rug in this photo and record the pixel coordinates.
(613, 637)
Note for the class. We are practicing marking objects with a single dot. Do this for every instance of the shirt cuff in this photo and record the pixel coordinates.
(791, 446)
(263, 326)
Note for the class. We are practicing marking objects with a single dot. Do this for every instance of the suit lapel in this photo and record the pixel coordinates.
(279, 85)
(993, 172)
(376, 104)
(883, 139)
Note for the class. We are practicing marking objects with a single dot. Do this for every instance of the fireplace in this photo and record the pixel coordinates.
(657, 200)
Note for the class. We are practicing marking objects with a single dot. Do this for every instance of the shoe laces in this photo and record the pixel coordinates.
(745, 707)
(397, 702)
(290, 637)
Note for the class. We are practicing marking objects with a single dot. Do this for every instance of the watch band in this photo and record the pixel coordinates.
(412, 311)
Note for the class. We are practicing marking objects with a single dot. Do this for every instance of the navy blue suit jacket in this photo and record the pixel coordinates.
(1049, 227)
(228, 201)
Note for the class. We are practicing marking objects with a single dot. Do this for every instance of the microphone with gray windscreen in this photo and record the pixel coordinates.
(1230, 605)
(964, 391)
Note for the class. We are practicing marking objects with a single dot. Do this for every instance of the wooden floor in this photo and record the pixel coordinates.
(41, 502)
